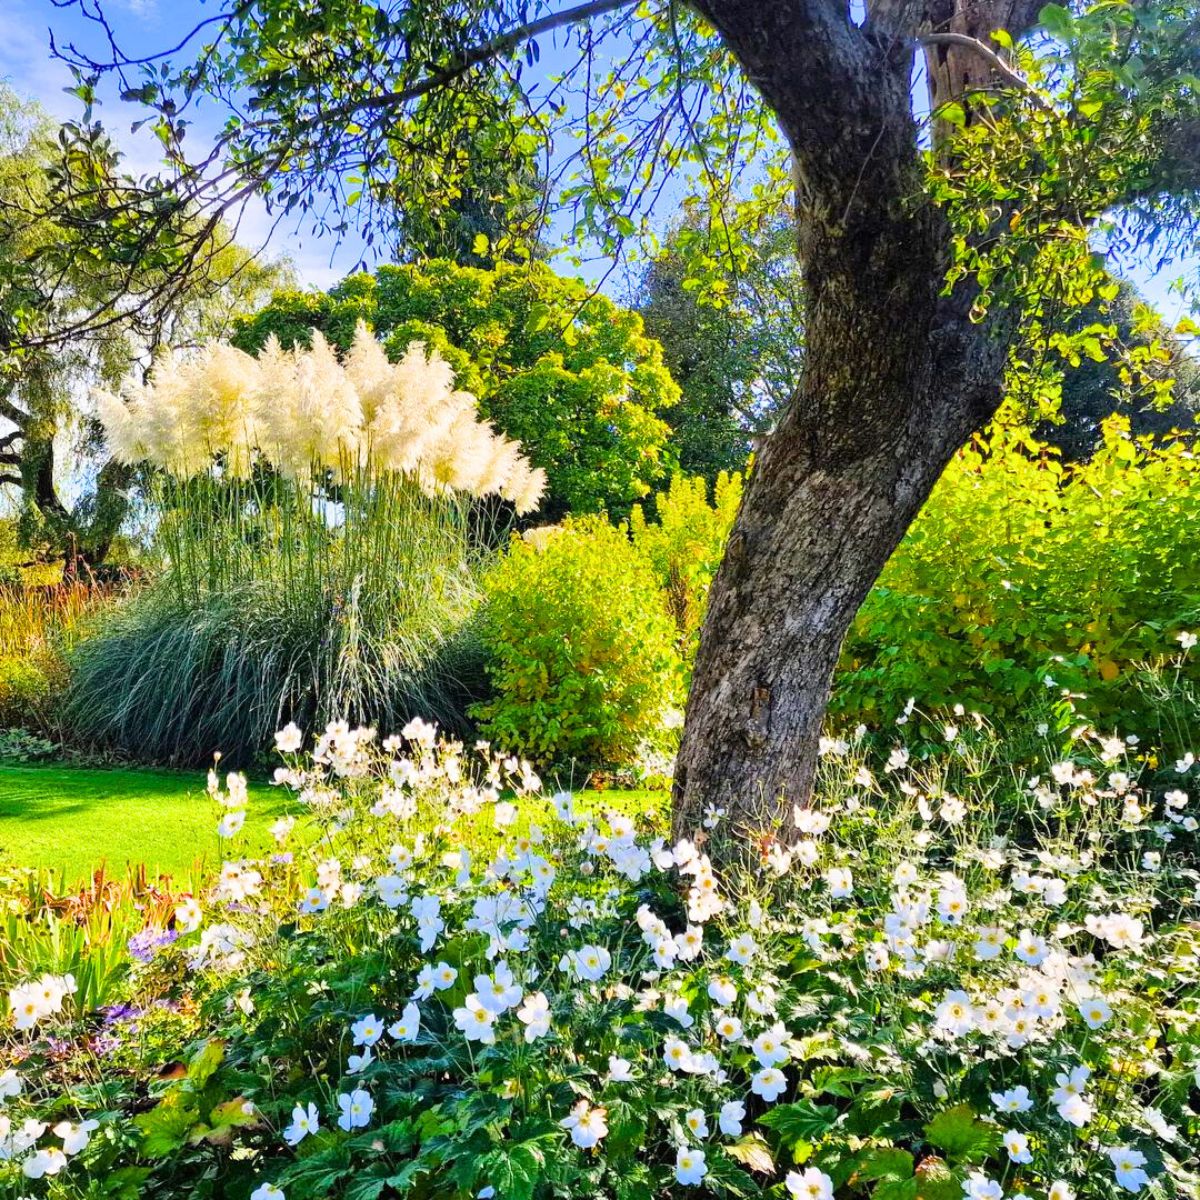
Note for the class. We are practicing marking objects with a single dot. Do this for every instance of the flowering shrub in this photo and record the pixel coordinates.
(448, 984)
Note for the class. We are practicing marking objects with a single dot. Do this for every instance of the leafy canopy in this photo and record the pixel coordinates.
(566, 372)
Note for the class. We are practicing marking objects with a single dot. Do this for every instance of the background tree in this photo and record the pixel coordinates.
(1099, 384)
(73, 511)
(564, 371)
(931, 252)
(732, 343)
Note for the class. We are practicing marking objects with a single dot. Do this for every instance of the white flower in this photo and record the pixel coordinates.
(689, 943)
(367, 1030)
(304, 1122)
(408, 1026)
(728, 1027)
(722, 992)
(729, 1121)
(1017, 1145)
(591, 962)
(770, 1047)
(231, 823)
(1015, 1100)
(391, 890)
(620, 1070)
(267, 1191)
(10, 1084)
(535, 1015)
(742, 949)
(188, 916)
(75, 1137)
(498, 991)
(676, 1007)
(840, 882)
(1069, 1099)
(955, 1015)
(696, 1122)
(1060, 1189)
(770, 1083)
(1095, 1012)
(1127, 1166)
(49, 1161)
(438, 977)
(690, 1167)
(1187, 641)
(809, 1184)
(356, 1064)
(677, 1054)
(475, 1021)
(989, 941)
(357, 1107)
(1031, 948)
(979, 1187)
(587, 1125)
(289, 739)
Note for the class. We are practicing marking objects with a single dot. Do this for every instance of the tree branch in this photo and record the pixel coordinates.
(477, 55)
(15, 480)
(1014, 78)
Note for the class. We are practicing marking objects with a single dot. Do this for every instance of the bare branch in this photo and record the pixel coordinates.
(1006, 72)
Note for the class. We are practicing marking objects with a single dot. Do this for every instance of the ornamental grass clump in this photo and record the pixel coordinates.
(447, 983)
(319, 559)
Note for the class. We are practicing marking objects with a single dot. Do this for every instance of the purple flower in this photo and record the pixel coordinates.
(145, 945)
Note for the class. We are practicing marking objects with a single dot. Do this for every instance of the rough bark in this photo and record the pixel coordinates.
(897, 377)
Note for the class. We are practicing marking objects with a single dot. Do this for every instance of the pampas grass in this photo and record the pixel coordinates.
(320, 550)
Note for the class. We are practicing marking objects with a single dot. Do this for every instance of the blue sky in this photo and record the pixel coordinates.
(150, 25)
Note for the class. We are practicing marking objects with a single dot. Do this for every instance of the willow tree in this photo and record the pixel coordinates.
(940, 226)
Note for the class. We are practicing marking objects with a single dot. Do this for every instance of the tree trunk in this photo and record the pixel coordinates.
(813, 534)
(897, 377)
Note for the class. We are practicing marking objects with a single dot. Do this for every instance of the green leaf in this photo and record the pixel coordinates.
(238, 1111)
(884, 1162)
(1057, 21)
(480, 245)
(166, 1126)
(802, 1121)
(205, 1062)
(953, 114)
(935, 1181)
(960, 1133)
(511, 1170)
(752, 1151)
(838, 1081)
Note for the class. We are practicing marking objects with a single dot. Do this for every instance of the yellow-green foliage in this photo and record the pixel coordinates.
(684, 539)
(580, 648)
(38, 625)
(1022, 577)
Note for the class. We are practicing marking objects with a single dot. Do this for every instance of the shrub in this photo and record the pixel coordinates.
(685, 542)
(901, 1003)
(1022, 575)
(39, 626)
(579, 648)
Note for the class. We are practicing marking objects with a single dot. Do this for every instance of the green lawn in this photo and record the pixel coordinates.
(72, 820)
